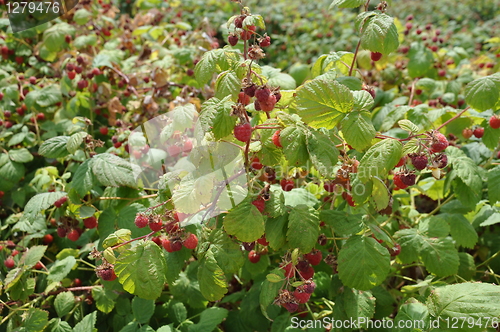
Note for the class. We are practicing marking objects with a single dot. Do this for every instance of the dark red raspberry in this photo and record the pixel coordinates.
(268, 105)
(291, 307)
(440, 161)
(262, 94)
(305, 270)
(263, 241)
(289, 270)
(250, 90)
(265, 42)
(287, 184)
(141, 221)
(74, 235)
(106, 274)
(301, 297)
(375, 56)
(260, 204)
(408, 179)
(232, 39)
(191, 242)
(419, 161)
(90, 222)
(243, 132)
(314, 257)
(398, 181)
(309, 286)
(478, 132)
(255, 163)
(61, 231)
(253, 256)
(396, 250)
(439, 142)
(401, 162)
(238, 22)
(156, 226)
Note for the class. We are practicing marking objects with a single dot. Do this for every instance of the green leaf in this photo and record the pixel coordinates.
(82, 16)
(461, 229)
(323, 103)
(61, 268)
(342, 223)
(359, 304)
(210, 318)
(491, 137)
(494, 184)
(483, 93)
(276, 230)
(379, 34)
(408, 126)
(414, 312)
(75, 141)
(363, 263)
(215, 116)
(212, 62)
(465, 300)
(40, 202)
(111, 170)
(142, 309)
(380, 193)
(294, 142)
(492, 220)
(32, 256)
(53, 37)
(347, 3)
(467, 267)
(84, 41)
(104, 299)
(132, 263)
(363, 100)
(439, 256)
(245, 222)
(87, 323)
(226, 252)
(48, 96)
(10, 172)
(211, 277)
(303, 228)
(83, 179)
(466, 169)
(20, 155)
(63, 303)
(54, 147)
(358, 130)
(421, 60)
(270, 290)
(227, 83)
(322, 152)
(380, 159)
(35, 320)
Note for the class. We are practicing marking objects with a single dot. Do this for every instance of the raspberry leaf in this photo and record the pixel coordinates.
(211, 277)
(245, 222)
(303, 228)
(323, 153)
(379, 34)
(483, 93)
(358, 130)
(380, 159)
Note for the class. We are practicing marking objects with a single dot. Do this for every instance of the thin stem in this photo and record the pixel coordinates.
(453, 118)
(359, 44)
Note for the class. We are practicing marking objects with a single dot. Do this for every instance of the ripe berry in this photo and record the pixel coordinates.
(442, 72)
(96, 71)
(314, 257)
(262, 94)
(276, 139)
(408, 179)
(47, 239)
(243, 98)
(246, 35)
(396, 250)
(1, 96)
(38, 266)
(81, 84)
(305, 270)
(467, 133)
(265, 42)
(401, 162)
(419, 161)
(155, 226)
(167, 244)
(440, 161)
(117, 145)
(291, 307)
(399, 182)
(495, 122)
(243, 132)
(141, 221)
(8, 124)
(70, 67)
(253, 256)
(71, 75)
(107, 274)
(260, 204)
(255, 163)
(268, 105)
(40, 116)
(439, 142)
(74, 235)
(90, 222)
(309, 286)
(376, 56)
(289, 270)
(349, 199)
(67, 39)
(301, 297)
(263, 241)
(287, 184)
(61, 231)
(191, 242)
(104, 130)
(478, 132)
(32, 80)
(60, 201)
(7, 114)
(232, 39)
(248, 245)
(250, 90)
(238, 22)
(9, 263)
(78, 69)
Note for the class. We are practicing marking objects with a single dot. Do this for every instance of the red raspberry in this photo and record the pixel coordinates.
(61, 231)
(74, 235)
(408, 179)
(248, 245)
(141, 221)
(439, 142)
(309, 286)
(314, 257)
(32, 80)
(172, 227)
(253, 256)
(81, 84)
(276, 139)
(71, 75)
(263, 241)
(39, 116)
(157, 240)
(478, 132)
(376, 56)
(107, 274)
(70, 67)
(262, 94)
(398, 182)
(255, 163)
(9, 263)
(287, 184)
(349, 199)
(291, 307)
(38, 266)
(305, 270)
(103, 130)
(265, 42)
(495, 122)
(260, 204)
(289, 270)
(301, 297)
(155, 226)
(396, 250)
(467, 133)
(48, 238)
(246, 35)
(238, 22)
(243, 132)
(243, 98)
(401, 162)
(96, 71)
(191, 242)
(330, 186)
(419, 161)
(60, 201)
(250, 90)
(268, 105)
(256, 105)
(232, 39)
(78, 69)
(167, 245)
(90, 222)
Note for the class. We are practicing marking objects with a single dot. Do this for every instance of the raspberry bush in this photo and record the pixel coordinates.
(159, 173)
